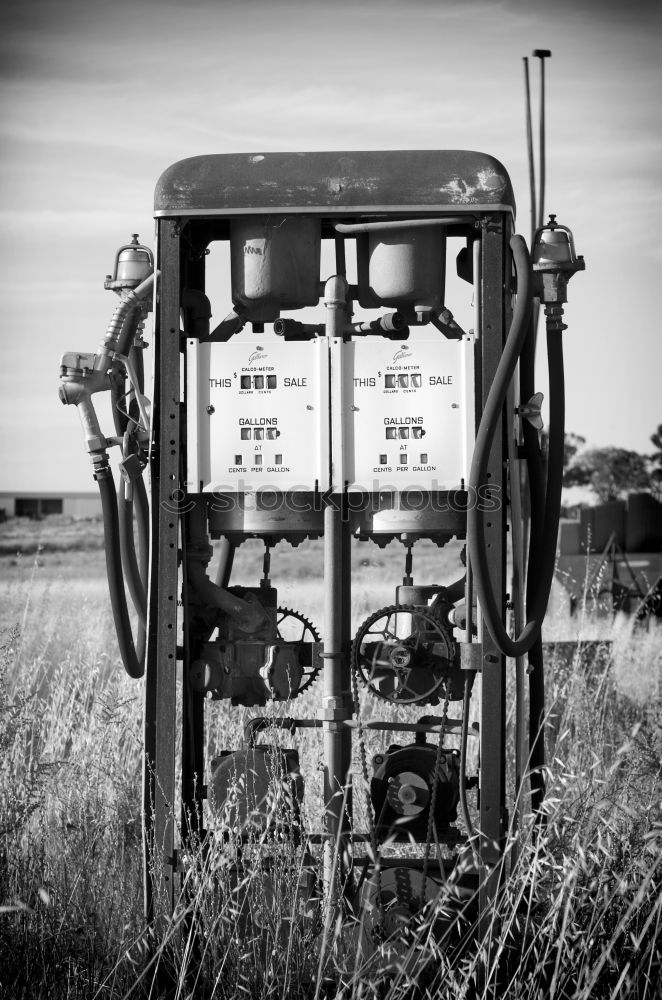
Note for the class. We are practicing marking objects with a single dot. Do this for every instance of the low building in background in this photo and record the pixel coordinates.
(44, 504)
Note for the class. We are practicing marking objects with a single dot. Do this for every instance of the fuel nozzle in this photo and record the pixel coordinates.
(554, 262)
(133, 263)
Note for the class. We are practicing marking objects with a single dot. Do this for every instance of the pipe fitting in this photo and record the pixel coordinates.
(336, 290)
(291, 329)
(120, 332)
(392, 325)
(445, 323)
(388, 225)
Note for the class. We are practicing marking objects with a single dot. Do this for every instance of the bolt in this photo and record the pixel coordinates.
(211, 409)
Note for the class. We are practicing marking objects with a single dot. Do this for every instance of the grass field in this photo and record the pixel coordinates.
(581, 912)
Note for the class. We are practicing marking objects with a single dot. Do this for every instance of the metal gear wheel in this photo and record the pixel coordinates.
(292, 626)
(404, 654)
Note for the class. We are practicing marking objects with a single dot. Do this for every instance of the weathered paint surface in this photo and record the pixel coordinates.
(337, 182)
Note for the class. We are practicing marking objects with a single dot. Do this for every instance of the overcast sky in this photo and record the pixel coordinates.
(99, 98)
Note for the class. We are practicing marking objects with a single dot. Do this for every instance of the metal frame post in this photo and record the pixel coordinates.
(493, 815)
(337, 736)
(337, 638)
(159, 782)
(194, 522)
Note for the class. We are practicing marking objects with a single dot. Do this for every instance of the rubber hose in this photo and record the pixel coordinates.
(536, 706)
(531, 448)
(132, 664)
(547, 561)
(142, 519)
(550, 528)
(141, 507)
(540, 563)
(128, 555)
(118, 393)
(134, 409)
(491, 419)
(141, 645)
(120, 419)
(139, 364)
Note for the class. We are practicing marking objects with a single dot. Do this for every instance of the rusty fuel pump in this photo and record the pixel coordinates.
(396, 426)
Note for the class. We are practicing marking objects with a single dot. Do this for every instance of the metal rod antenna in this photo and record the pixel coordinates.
(542, 54)
(529, 144)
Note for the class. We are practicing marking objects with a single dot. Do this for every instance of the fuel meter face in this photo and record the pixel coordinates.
(266, 410)
(405, 414)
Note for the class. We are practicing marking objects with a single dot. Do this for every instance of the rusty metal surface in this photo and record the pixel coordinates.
(418, 180)
(160, 779)
(494, 320)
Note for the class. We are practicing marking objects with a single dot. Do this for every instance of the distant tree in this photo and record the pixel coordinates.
(571, 445)
(610, 472)
(656, 462)
(656, 457)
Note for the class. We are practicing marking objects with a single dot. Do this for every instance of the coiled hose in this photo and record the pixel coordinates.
(130, 566)
(118, 388)
(134, 663)
(134, 567)
(536, 477)
(542, 551)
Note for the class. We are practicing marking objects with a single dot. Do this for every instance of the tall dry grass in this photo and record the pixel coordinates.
(579, 915)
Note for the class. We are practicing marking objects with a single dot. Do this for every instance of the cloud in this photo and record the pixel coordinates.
(100, 98)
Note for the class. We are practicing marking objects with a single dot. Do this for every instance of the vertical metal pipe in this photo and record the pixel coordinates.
(161, 660)
(335, 692)
(194, 534)
(529, 145)
(495, 273)
(335, 300)
(341, 266)
(542, 54)
(535, 656)
(541, 193)
(336, 699)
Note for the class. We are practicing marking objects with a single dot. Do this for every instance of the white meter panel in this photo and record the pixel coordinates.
(407, 414)
(266, 414)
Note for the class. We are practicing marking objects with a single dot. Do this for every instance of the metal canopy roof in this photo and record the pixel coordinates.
(340, 182)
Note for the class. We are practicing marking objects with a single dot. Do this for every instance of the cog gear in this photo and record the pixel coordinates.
(292, 626)
(403, 654)
(397, 900)
(402, 791)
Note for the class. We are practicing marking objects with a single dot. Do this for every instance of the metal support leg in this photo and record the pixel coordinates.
(161, 661)
(493, 817)
(336, 697)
